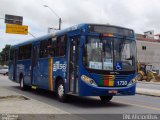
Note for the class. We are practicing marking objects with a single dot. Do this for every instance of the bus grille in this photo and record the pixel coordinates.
(109, 80)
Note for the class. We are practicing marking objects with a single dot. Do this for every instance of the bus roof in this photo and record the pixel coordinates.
(33, 40)
(75, 27)
(49, 35)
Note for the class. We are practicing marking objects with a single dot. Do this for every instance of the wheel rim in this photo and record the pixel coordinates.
(60, 91)
(22, 83)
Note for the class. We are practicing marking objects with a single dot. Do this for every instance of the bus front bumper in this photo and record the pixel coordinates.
(88, 90)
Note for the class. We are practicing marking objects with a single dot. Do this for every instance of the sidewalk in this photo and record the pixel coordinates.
(14, 106)
(148, 88)
(12, 102)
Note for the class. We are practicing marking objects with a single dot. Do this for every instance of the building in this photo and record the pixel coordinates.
(148, 49)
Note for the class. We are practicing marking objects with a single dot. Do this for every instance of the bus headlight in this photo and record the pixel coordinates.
(88, 80)
(134, 80)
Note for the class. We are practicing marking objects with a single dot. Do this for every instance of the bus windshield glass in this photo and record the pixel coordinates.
(108, 53)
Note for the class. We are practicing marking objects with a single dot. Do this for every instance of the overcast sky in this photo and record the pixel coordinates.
(140, 15)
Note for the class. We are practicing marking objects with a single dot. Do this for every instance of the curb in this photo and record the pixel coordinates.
(155, 83)
(148, 92)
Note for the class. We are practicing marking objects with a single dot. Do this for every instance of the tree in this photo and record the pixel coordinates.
(4, 55)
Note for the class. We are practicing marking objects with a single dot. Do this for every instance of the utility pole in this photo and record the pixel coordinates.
(59, 18)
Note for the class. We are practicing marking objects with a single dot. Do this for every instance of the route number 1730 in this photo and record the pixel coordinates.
(122, 83)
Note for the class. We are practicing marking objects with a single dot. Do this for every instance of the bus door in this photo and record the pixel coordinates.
(15, 57)
(73, 64)
(34, 65)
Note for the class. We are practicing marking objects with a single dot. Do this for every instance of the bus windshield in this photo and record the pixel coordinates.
(108, 53)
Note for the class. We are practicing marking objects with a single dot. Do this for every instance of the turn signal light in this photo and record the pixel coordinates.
(108, 35)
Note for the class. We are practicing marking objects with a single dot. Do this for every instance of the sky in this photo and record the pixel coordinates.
(140, 15)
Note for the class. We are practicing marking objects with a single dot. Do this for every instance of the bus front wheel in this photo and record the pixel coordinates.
(106, 98)
(61, 91)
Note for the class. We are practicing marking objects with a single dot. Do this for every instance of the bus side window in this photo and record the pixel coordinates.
(45, 48)
(25, 52)
(61, 45)
(11, 53)
(50, 48)
(28, 51)
(54, 46)
(20, 53)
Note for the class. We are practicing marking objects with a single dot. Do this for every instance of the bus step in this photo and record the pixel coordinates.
(72, 94)
(34, 87)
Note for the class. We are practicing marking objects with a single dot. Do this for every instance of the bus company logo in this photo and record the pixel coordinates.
(58, 66)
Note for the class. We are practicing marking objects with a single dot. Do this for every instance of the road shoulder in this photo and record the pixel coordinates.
(12, 102)
(149, 92)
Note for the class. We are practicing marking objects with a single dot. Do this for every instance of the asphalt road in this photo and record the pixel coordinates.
(140, 104)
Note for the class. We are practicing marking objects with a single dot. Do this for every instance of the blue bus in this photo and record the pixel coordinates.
(84, 60)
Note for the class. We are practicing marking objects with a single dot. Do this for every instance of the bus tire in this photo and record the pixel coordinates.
(22, 86)
(105, 98)
(61, 91)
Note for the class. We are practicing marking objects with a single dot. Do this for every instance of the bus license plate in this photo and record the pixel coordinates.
(112, 91)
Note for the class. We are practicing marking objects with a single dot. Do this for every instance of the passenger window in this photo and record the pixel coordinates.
(54, 46)
(11, 53)
(61, 45)
(25, 52)
(45, 49)
(63, 42)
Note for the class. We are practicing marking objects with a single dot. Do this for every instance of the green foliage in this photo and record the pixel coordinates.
(4, 55)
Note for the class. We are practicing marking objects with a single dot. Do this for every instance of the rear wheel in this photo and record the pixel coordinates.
(106, 98)
(22, 86)
(61, 91)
